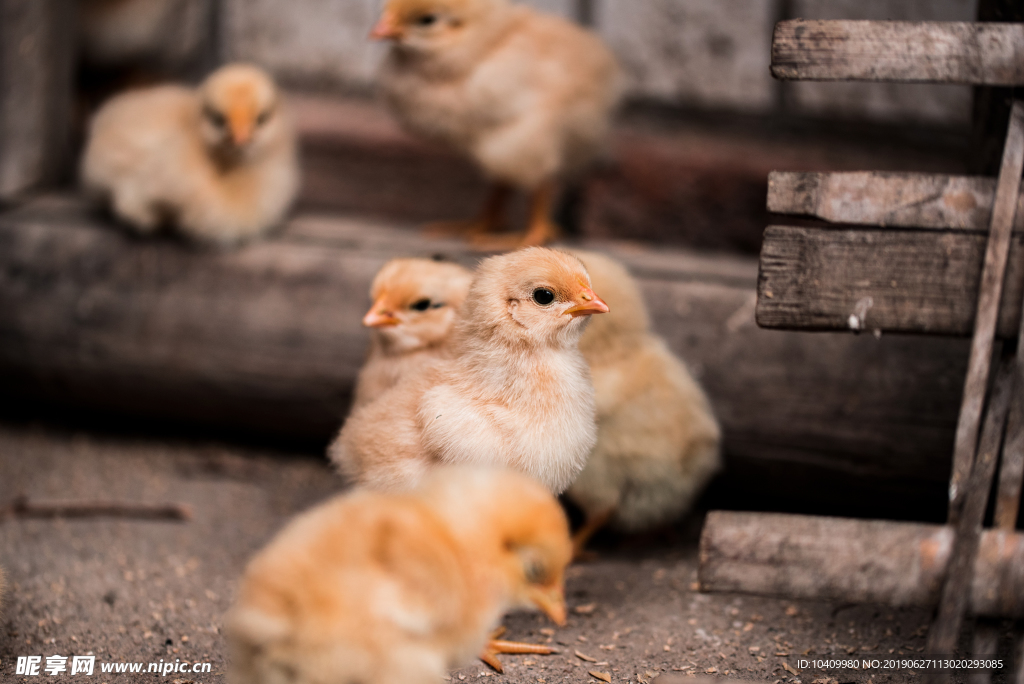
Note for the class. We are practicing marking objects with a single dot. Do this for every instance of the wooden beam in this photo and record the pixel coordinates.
(854, 561)
(906, 51)
(879, 198)
(990, 296)
(887, 280)
(266, 340)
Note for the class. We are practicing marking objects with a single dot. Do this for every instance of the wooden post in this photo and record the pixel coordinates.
(37, 56)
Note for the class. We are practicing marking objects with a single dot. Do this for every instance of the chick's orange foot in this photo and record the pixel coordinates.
(496, 646)
(465, 228)
(537, 235)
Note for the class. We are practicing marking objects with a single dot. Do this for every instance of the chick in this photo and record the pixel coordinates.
(415, 302)
(513, 391)
(397, 588)
(218, 163)
(657, 440)
(527, 96)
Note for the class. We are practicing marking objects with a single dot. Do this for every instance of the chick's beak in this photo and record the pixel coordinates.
(551, 600)
(387, 28)
(588, 303)
(379, 315)
(240, 125)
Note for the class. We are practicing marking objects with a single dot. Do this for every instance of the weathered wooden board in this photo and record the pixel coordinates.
(879, 198)
(854, 561)
(915, 52)
(37, 58)
(887, 280)
(268, 339)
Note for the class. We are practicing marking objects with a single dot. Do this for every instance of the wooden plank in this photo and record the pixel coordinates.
(879, 198)
(266, 340)
(990, 294)
(913, 52)
(886, 280)
(967, 519)
(853, 561)
(37, 58)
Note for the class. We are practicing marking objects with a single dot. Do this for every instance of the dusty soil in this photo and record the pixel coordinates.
(151, 591)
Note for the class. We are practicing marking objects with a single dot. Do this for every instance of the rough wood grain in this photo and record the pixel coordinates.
(855, 561)
(914, 52)
(37, 58)
(267, 340)
(990, 296)
(967, 518)
(879, 198)
(888, 280)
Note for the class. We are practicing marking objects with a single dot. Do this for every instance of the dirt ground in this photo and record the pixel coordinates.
(152, 591)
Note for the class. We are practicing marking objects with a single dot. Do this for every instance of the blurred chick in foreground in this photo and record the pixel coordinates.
(398, 588)
(527, 96)
(415, 302)
(657, 439)
(218, 163)
(513, 391)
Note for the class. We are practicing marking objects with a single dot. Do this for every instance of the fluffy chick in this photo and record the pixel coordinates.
(219, 163)
(397, 588)
(526, 95)
(415, 302)
(514, 390)
(657, 440)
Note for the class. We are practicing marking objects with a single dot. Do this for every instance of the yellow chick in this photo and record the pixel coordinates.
(415, 302)
(218, 163)
(527, 96)
(513, 391)
(657, 438)
(397, 588)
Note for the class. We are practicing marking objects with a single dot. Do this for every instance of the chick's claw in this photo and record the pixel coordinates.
(496, 646)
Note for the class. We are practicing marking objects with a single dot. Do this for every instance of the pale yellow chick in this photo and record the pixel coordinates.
(218, 163)
(415, 303)
(657, 440)
(528, 96)
(398, 588)
(513, 391)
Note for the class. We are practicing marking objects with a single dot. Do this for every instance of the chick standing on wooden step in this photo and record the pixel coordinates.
(527, 96)
(397, 588)
(218, 163)
(415, 302)
(513, 392)
(657, 439)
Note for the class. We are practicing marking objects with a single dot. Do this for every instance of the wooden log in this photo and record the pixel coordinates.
(907, 51)
(879, 198)
(886, 280)
(37, 58)
(266, 340)
(854, 561)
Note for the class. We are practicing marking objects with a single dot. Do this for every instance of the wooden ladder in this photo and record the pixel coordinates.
(917, 253)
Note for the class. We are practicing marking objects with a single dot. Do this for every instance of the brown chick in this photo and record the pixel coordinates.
(527, 96)
(218, 163)
(657, 439)
(397, 588)
(415, 302)
(513, 391)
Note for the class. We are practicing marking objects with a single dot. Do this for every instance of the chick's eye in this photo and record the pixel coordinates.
(535, 572)
(543, 296)
(426, 20)
(420, 305)
(215, 117)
